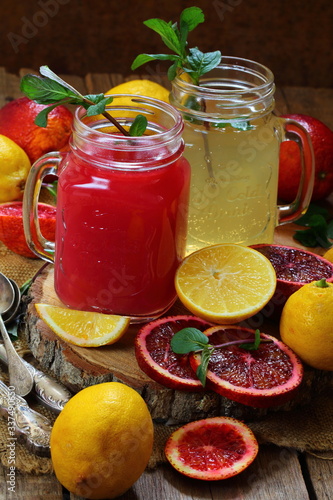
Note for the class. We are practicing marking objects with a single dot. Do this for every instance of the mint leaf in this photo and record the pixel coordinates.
(201, 63)
(188, 340)
(172, 71)
(175, 38)
(252, 346)
(97, 98)
(313, 209)
(25, 287)
(52, 188)
(144, 58)
(99, 107)
(330, 230)
(201, 371)
(41, 119)
(138, 126)
(45, 71)
(192, 16)
(44, 90)
(55, 91)
(166, 32)
(317, 233)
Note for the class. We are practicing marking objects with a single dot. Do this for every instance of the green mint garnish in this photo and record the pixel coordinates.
(188, 340)
(53, 91)
(174, 36)
(319, 231)
(193, 340)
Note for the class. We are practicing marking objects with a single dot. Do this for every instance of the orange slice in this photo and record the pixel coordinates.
(225, 283)
(83, 328)
(212, 449)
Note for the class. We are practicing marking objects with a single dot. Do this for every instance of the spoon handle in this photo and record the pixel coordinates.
(49, 391)
(19, 376)
(24, 424)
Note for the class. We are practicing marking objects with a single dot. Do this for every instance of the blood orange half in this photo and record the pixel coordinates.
(156, 358)
(11, 226)
(265, 377)
(212, 449)
(294, 268)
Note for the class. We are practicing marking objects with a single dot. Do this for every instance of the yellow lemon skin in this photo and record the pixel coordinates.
(101, 441)
(306, 325)
(141, 87)
(145, 88)
(329, 255)
(14, 168)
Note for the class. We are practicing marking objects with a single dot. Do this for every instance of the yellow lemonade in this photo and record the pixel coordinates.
(234, 182)
(232, 140)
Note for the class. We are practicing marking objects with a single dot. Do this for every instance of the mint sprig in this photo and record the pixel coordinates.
(190, 340)
(53, 91)
(319, 230)
(174, 36)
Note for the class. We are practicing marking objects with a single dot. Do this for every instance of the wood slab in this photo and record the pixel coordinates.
(79, 367)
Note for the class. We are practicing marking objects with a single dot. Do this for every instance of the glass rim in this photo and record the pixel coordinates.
(162, 136)
(249, 66)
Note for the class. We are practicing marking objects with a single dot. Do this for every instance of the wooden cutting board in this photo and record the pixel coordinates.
(79, 367)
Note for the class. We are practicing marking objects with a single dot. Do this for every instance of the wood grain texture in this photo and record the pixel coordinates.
(321, 475)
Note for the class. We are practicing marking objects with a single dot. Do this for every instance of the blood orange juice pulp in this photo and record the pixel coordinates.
(121, 224)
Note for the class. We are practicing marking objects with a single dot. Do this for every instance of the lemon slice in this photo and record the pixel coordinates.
(225, 283)
(82, 328)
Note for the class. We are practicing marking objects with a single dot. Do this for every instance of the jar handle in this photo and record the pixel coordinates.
(295, 132)
(45, 165)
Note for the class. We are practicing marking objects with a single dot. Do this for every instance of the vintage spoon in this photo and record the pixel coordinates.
(10, 314)
(20, 377)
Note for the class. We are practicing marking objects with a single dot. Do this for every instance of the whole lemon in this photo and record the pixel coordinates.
(328, 255)
(141, 87)
(102, 440)
(306, 324)
(14, 168)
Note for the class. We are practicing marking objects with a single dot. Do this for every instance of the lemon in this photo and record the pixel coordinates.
(14, 168)
(225, 283)
(306, 324)
(140, 87)
(329, 255)
(83, 328)
(101, 441)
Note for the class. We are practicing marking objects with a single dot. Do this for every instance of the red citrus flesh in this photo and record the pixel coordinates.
(11, 226)
(294, 267)
(265, 377)
(156, 358)
(212, 449)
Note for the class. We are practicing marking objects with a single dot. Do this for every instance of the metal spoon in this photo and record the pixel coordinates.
(10, 314)
(20, 377)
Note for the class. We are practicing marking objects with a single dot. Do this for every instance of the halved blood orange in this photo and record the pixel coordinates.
(212, 449)
(294, 268)
(265, 377)
(156, 358)
(11, 226)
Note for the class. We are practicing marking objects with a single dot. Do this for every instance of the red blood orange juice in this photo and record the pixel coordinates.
(121, 216)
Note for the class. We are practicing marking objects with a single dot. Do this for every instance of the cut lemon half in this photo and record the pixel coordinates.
(225, 283)
(83, 328)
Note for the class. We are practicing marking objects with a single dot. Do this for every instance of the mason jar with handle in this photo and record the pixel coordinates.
(122, 206)
(232, 139)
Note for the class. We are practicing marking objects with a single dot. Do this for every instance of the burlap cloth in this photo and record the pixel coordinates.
(307, 428)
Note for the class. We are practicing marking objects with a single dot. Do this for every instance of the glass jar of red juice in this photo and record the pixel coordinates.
(122, 207)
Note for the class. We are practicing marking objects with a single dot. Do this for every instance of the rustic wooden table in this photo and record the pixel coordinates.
(277, 473)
